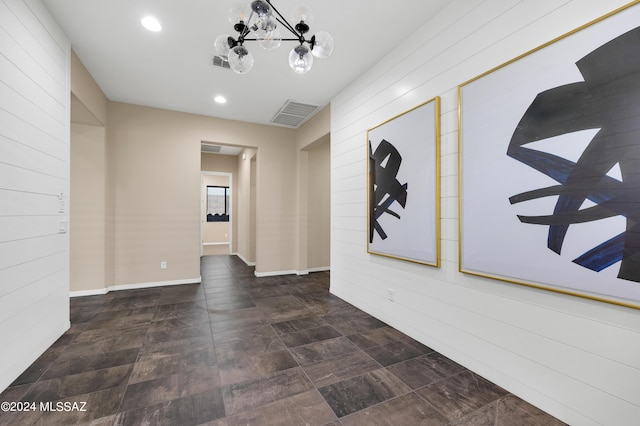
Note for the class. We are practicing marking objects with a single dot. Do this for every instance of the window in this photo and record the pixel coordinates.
(218, 203)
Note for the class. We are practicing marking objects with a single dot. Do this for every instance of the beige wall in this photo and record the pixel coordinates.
(151, 192)
(316, 128)
(313, 186)
(245, 207)
(319, 204)
(87, 230)
(219, 163)
(157, 195)
(158, 220)
(88, 93)
(91, 206)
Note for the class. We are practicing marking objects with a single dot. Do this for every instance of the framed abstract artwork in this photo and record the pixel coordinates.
(404, 186)
(549, 159)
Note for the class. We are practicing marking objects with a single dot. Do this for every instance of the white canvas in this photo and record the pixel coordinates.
(412, 236)
(494, 242)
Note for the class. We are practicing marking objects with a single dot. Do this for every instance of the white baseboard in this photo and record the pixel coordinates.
(292, 272)
(136, 286)
(273, 273)
(317, 269)
(244, 260)
(82, 293)
(216, 244)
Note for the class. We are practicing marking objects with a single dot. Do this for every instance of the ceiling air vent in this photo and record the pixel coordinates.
(219, 62)
(210, 148)
(293, 113)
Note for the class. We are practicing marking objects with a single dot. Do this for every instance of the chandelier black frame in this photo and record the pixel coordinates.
(259, 19)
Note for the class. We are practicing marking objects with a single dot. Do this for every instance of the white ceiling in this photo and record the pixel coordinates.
(172, 69)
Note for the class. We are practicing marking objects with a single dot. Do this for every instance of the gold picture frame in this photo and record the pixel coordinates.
(403, 198)
(546, 152)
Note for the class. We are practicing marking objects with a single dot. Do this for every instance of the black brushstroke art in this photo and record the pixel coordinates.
(385, 189)
(608, 100)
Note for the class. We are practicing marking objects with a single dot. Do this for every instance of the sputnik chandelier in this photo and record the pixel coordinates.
(264, 21)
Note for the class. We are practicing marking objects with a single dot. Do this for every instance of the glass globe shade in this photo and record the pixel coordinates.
(222, 45)
(323, 47)
(300, 60)
(266, 23)
(239, 12)
(261, 8)
(269, 40)
(302, 12)
(240, 59)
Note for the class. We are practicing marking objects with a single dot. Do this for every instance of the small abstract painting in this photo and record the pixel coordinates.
(550, 165)
(404, 186)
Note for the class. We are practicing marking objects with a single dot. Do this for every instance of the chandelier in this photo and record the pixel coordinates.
(264, 22)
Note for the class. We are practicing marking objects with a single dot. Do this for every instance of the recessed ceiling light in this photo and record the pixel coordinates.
(220, 99)
(151, 23)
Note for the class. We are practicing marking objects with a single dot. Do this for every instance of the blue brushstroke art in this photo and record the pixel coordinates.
(609, 100)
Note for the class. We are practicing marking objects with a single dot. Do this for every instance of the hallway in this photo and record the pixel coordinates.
(241, 350)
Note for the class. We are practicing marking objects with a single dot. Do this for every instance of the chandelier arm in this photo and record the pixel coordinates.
(283, 39)
(289, 27)
(284, 21)
(247, 30)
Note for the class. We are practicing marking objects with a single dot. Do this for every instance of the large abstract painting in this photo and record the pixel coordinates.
(550, 165)
(404, 186)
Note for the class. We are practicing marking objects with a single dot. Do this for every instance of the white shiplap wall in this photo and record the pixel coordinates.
(575, 358)
(34, 171)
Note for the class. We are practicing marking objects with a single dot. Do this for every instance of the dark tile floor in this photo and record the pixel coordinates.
(241, 350)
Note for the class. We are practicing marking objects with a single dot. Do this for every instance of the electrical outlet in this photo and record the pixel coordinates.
(390, 294)
(62, 227)
(163, 265)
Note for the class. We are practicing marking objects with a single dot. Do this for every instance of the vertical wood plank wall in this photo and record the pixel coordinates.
(34, 171)
(575, 358)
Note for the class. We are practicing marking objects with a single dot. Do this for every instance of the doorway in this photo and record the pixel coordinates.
(216, 213)
(317, 205)
(252, 208)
